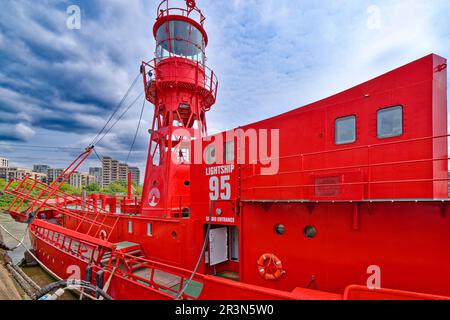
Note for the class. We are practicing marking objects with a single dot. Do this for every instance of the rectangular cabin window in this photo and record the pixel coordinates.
(345, 130)
(130, 227)
(229, 151)
(149, 229)
(390, 122)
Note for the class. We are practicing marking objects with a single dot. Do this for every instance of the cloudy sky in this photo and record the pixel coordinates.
(58, 86)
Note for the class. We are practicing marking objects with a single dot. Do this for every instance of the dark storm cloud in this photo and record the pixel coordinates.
(42, 60)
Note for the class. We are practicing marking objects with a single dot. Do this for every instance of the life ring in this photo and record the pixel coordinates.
(102, 235)
(270, 267)
(191, 4)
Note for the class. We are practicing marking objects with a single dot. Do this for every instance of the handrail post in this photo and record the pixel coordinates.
(369, 174)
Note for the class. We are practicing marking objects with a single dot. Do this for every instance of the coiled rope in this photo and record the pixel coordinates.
(69, 284)
(20, 243)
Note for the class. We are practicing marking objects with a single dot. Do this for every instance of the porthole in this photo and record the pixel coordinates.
(187, 183)
(310, 232)
(174, 234)
(280, 229)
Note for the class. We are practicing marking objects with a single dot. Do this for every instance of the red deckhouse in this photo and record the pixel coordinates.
(355, 208)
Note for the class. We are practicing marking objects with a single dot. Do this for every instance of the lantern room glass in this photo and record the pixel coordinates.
(180, 39)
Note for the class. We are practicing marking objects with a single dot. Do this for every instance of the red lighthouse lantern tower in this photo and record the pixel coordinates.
(182, 89)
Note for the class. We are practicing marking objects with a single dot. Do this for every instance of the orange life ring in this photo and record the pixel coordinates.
(270, 267)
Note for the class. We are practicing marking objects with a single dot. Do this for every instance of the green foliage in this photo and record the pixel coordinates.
(116, 187)
(93, 188)
(137, 189)
(5, 200)
(67, 188)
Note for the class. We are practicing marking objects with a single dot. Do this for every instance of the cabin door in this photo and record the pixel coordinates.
(218, 246)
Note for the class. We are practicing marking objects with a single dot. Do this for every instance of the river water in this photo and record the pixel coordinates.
(18, 230)
(38, 274)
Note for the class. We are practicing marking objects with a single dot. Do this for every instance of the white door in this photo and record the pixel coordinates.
(218, 246)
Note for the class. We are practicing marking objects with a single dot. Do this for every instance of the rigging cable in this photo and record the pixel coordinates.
(202, 253)
(117, 108)
(21, 243)
(120, 118)
(137, 131)
(99, 158)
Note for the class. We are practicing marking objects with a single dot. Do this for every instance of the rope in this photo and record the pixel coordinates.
(116, 109)
(202, 253)
(136, 133)
(5, 247)
(99, 158)
(108, 282)
(70, 284)
(120, 118)
(43, 266)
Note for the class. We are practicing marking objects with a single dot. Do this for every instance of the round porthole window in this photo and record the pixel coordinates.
(280, 229)
(187, 183)
(310, 232)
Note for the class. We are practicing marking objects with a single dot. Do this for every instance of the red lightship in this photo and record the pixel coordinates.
(348, 198)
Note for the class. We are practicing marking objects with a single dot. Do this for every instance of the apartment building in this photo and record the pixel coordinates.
(97, 173)
(135, 174)
(4, 162)
(9, 173)
(113, 170)
(123, 171)
(80, 180)
(41, 168)
(106, 171)
(53, 174)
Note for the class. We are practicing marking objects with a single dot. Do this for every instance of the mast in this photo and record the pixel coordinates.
(182, 89)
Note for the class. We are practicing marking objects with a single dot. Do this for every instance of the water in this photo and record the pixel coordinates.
(18, 230)
(39, 275)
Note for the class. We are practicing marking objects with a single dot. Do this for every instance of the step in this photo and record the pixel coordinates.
(135, 253)
(126, 246)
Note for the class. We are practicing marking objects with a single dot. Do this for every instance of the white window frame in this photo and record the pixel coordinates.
(385, 110)
(336, 121)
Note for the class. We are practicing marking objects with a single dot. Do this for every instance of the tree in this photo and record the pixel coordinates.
(5, 200)
(137, 189)
(67, 188)
(119, 186)
(93, 188)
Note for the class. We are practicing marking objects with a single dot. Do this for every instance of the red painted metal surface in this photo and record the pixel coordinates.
(182, 90)
(330, 212)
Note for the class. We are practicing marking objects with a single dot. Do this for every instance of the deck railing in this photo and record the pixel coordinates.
(310, 166)
(165, 9)
(41, 197)
(203, 76)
